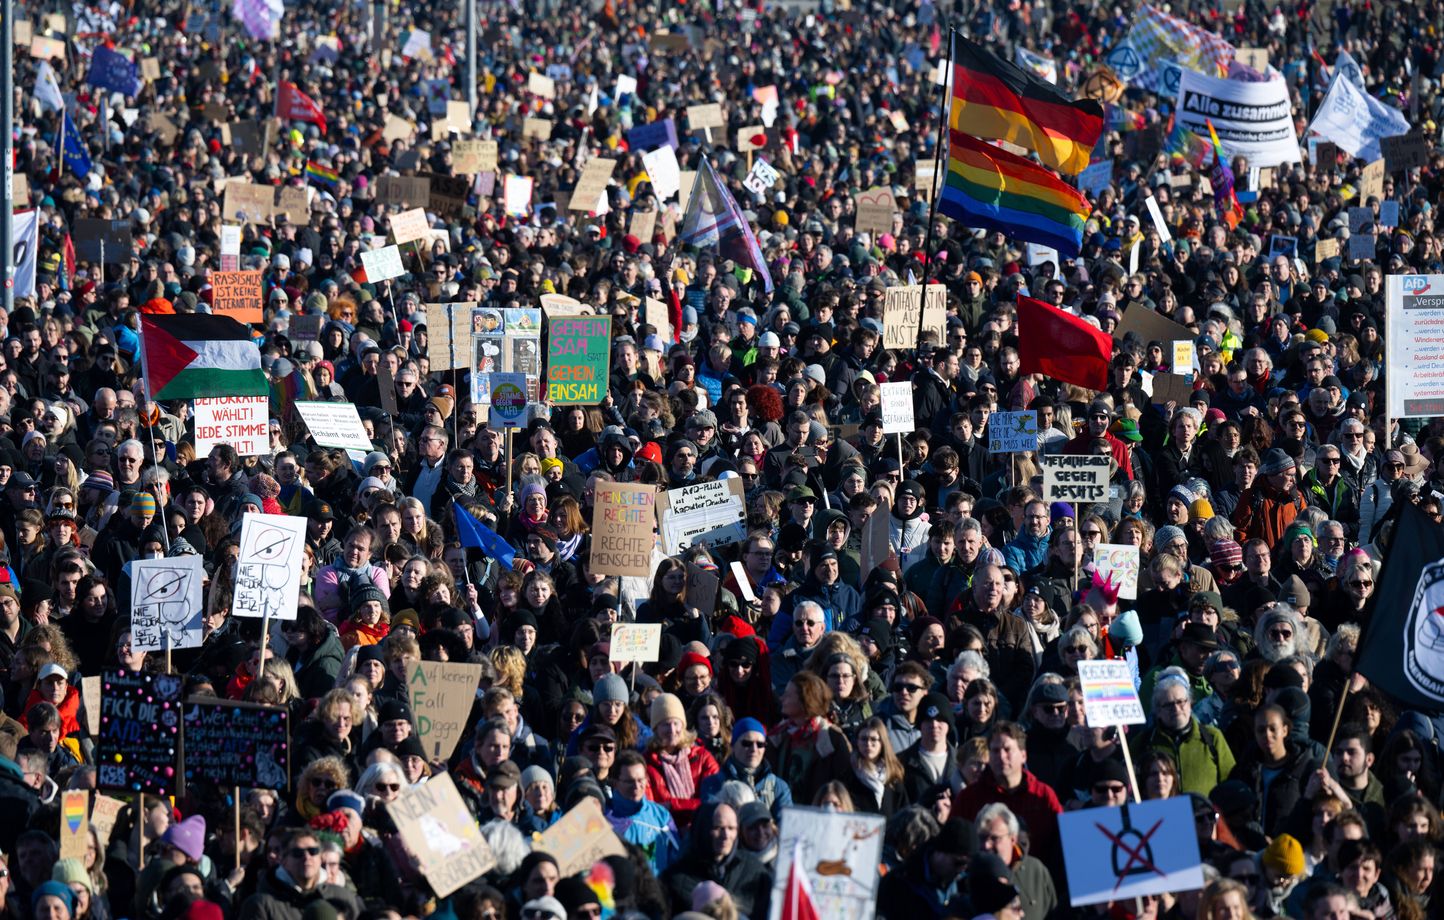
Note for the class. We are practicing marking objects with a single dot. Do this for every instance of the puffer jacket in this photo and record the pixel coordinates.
(700, 764)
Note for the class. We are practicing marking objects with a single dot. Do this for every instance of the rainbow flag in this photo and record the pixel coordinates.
(997, 99)
(991, 188)
(1183, 146)
(321, 175)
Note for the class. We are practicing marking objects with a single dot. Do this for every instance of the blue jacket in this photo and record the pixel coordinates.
(839, 602)
(771, 790)
(1024, 553)
(649, 826)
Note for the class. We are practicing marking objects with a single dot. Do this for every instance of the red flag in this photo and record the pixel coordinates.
(797, 899)
(294, 105)
(1062, 346)
(69, 260)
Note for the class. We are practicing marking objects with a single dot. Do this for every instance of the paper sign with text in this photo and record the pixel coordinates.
(1076, 478)
(637, 641)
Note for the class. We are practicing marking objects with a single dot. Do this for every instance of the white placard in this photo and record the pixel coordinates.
(166, 603)
(664, 171)
(1183, 357)
(268, 570)
(1414, 347)
(1254, 120)
(897, 408)
(240, 421)
(713, 513)
(230, 247)
(516, 196)
(335, 424)
(761, 178)
(382, 264)
(1076, 478)
(1156, 213)
(1122, 562)
(1109, 694)
(839, 852)
(636, 642)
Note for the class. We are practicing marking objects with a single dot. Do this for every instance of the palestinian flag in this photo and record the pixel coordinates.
(197, 355)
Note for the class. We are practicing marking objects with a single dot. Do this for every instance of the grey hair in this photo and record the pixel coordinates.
(805, 606)
(995, 811)
(970, 659)
(1345, 637)
(1270, 649)
(376, 773)
(1170, 677)
(735, 793)
(507, 844)
(1079, 633)
(1218, 528)
(911, 827)
(1219, 656)
(1134, 489)
(969, 525)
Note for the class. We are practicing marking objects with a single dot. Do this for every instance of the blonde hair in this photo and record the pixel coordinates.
(510, 666)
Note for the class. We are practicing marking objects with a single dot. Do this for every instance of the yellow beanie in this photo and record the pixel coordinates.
(1285, 856)
(1202, 509)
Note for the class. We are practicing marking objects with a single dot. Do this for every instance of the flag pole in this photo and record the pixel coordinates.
(154, 411)
(943, 113)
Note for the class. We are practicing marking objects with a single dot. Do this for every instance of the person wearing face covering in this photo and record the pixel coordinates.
(713, 854)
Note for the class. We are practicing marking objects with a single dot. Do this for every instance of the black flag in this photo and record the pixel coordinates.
(1402, 650)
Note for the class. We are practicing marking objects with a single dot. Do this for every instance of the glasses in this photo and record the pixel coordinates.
(1093, 533)
(1109, 788)
(599, 746)
(1233, 568)
(739, 665)
(1359, 583)
(809, 623)
(907, 688)
(755, 745)
(1331, 461)
(387, 787)
(1077, 649)
(322, 782)
(303, 852)
(1281, 633)
(536, 913)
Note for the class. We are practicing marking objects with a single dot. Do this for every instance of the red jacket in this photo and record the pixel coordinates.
(1034, 802)
(700, 764)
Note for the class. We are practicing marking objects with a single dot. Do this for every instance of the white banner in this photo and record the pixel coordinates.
(1414, 342)
(1354, 120)
(26, 227)
(1252, 119)
(711, 513)
(240, 421)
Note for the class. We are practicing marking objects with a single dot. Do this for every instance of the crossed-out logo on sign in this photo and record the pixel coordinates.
(1424, 633)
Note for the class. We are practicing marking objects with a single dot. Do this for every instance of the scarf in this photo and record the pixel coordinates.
(532, 523)
(677, 771)
(567, 548)
(873, 778)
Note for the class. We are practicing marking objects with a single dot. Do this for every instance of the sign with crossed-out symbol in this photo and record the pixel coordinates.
(1116, 854)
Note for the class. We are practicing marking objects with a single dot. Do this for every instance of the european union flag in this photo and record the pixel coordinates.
(474, 533)
(72, 149)
(113, 71)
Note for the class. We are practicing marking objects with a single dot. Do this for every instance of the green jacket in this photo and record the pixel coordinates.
(1202, 689)
(1201, 752)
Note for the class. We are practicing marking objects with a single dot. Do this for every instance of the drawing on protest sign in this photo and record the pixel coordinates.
(578, 359)
(231, 743)
(469, 158)
(109, 239)
(875, 208)
(243, 422)
(335, 425)
(622, 518)
(1120, 853)
(1109, 696)
(237, 295)
(268, 571)
(442, 694)
(74, 823)
(507, 398)
(438, 829)
(1413, 352)
(1076, 478)
(1013, 432)
(897, 407)
(1122, 562)
(908, 312)
(248, 202)
(839, 852)
(761, 177)
(446, 331)
(638, 641)
(580, 837)
(711, 513)
(139, 730)
(166, 603)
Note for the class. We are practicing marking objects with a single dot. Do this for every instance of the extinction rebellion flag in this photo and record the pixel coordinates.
(196, 355)
(1402, 650)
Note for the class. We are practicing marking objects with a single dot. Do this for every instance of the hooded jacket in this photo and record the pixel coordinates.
(742, 874)
(771, 790)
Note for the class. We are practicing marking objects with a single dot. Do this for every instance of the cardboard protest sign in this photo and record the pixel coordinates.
(1013, 432)
(839, 851)
(581, 837)
(591, 190)
(924, 180)
(874, 211)
(1117, 854)
(700, 117)
(703, 586)
(622, 519)
(46, 49)
(139, 730)
(90, 703)
(1405, 151)
(382, 264)
(166, 603)
(447, 335)
(294, 203)
(897, 407)
(711, 513)
(1150, 325)
(237, 295)
(231, 743)
(408, 225)
(403, 191)
(578, 359)
(1076, 478)
(471, 157)
(1122, 563)
(537, 128)
(104, 812)
(1171, 388)
(541, 85)
(442, 694)
(268, 571)
(446, 195)
(1325, 249)
(907, 311)
(644, 225)
(248, 202)
(1109, 694)
(250, 137)
(637, 641)
(166, 131)
(438, 829)
(74, 823)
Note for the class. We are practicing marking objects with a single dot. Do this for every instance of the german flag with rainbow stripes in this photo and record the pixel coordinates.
(997, 99)
(991, 188)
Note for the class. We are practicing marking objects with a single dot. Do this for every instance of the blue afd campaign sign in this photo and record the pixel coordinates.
(113, 71)
(1114, 854)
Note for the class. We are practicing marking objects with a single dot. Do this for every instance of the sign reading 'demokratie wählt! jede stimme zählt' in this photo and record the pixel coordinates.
(1076, 478)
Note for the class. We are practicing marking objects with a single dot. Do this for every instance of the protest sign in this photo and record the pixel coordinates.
(382, 264)
(139, 730)
(874, 211)
(1156, 214)
(744, 583)
(447, 328)
(97, 239)
(507, 398)
(578, 359)
(664, 171)
(591, 190)
(1414, 352)
(90, 702)
(875, 539)
(1150, 325)
(711, 513)
(439, 831)
(1371, 181)
(442, 695)
(305, 329)
(1281, 245)
(839, 851)
(653, 136)
(537, 128)
(46, 49)
(580, 838)
(1012, 432)
(471, 157)
(1109, 694)
(232, 743)
(1407, 151)
(644, 225)
(1360, 219)
(924, 179)
(760, 178)
(639, 641)
(403, 191)
(166, 603)
(753, 138)
(74, 823)
(1176, 388)
(268, 570)
(1325, 249)
(1254, 120)
(1076, 478)
(1118, 854)
(1362, 246)
(897, 408)
(1183, 356)
(541, 85)
(230, 247)
(335, 425)
(250, 138)
(1122, 562)
(907, 311)
(702, 588)
(622, 519)
(248, 202)
(407, 226)
(707, 116)
(237, 295)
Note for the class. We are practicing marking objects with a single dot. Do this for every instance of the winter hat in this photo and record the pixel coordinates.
(574, 893)
(1275, 461)
(1202, 509)
(548, 907)
(345, 798)
(610, 689)
(1298, 529)
(444, 405)
(369, 592)
(143, 501)
(265, 486)
(747, 725)
(72, 872)
(1168, 534)
(1126, 630)
(1225, 553)
(880, 632)
(691, 659)
(536, 774)
(101, 481)
(1285, 856)
(987, 887)
(188, 836)
(665, 707)
(706, 893)
(53, 889)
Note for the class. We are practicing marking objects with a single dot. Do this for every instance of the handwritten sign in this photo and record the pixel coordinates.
(236, 744)
(237, 295)
(442, 694)
(166, 603)
(248, 201)
(104, 812)
(637, 641)
(382, 264)
(839, 853)
(1122, 563)
(897, 407)
(407, 226)
(578, 359)
(438, 829)
(622, 521)
(1109, 696)
(711, 513)
(243, 422)
(74, 823)
(1076, 478)
(471, 157)
(1013, 432)
(581, 837)
(268, 571)
(591, 190)
(139, 730)
(447, 330)
(907, 311)
(874, 211)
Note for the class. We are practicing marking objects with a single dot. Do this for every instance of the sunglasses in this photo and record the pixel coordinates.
(388, 787)
(907, 688)
(598, 746)
(302, 852)
(1356, 583)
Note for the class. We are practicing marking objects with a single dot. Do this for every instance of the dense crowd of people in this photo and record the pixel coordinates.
(935, 684)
